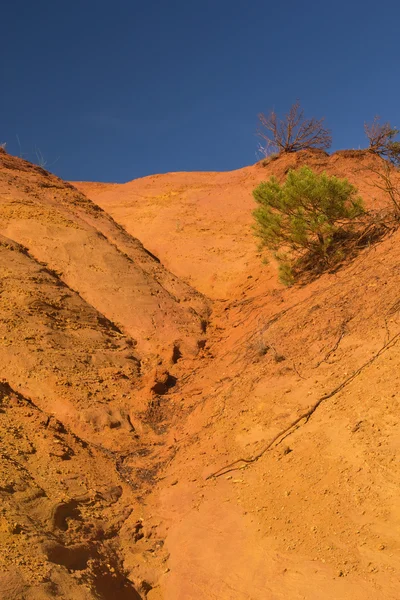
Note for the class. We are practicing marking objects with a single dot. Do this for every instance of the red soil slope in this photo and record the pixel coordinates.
(94, 256)
(86, 316)
(199, 224)
(153, 450)
(314, 514)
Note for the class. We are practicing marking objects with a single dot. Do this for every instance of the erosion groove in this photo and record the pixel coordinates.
(145, 347)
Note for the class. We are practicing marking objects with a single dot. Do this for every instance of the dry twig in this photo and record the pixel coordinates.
(292, 133)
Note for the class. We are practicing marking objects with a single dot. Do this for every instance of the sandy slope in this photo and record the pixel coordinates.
(199, 224)
(317, 515)
(87, 317)
(136, 427)
(94, 256)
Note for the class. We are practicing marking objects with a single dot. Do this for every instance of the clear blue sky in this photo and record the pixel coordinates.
(113, 90)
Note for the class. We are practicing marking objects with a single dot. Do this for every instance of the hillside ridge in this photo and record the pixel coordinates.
(200, 224)
(175, 424)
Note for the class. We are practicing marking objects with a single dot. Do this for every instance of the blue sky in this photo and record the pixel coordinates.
(110, 91)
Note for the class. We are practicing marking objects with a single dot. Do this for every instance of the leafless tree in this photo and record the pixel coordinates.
(292, 133)
(381, 140)
(385, 173)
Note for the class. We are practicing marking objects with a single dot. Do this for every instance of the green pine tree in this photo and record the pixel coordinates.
(303, 215)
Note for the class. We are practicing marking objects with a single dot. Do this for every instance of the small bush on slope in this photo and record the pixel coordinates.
(304, 215)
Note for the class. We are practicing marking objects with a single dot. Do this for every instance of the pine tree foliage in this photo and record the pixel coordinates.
(303, 214)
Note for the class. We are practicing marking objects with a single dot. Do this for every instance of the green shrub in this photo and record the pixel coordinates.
(303, 215)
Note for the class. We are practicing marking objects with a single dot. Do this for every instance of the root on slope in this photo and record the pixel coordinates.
(290, 429)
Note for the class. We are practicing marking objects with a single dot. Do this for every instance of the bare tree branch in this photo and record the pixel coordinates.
(387, 184)
(292, 133)
(381, 140)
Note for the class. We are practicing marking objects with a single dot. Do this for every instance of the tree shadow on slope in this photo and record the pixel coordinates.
(345, 247)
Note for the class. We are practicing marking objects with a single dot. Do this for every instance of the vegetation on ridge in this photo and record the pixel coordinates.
(303, 215)
(292, 133)
(381, 140)
(308, 221)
